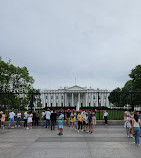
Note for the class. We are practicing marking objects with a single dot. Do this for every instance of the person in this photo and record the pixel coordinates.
(0, 117)
(3, 116)
(93, 120)
(79, 118)
(34, 118)
(136, 123)
(86, 123)
(60, 123)
(18, 118)
(29, 120)
(127, 124)
(43, 117)
(83, 113)
(37, 118)
(75, 122)
(25, 119)
(105, 116)
(53, 119)
(48, 113)
(72, 118)
(11, 118)
(68, 114)
(90, 115)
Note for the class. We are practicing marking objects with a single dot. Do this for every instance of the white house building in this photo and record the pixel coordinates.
(75, 96)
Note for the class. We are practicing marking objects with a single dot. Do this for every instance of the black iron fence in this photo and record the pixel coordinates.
(118, 103)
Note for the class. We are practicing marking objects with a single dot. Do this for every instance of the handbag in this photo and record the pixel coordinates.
(132, 132)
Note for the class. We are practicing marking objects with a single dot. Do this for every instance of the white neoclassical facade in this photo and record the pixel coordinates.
(76, 97)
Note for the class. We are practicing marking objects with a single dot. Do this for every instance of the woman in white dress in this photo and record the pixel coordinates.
(29, 120)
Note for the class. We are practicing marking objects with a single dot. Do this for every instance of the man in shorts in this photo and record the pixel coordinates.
(11, 118)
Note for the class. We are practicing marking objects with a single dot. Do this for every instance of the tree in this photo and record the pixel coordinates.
(114, 97)
(13, 80)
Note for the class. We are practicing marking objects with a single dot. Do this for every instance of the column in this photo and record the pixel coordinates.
(78, 103)
(72, 100)
(91, 99)
(86, 99)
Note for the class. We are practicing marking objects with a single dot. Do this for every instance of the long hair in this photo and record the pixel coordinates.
(136, 117)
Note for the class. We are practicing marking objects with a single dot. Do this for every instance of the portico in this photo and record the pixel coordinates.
(76, 97)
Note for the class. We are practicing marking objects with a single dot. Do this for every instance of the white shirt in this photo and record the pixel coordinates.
(19, 115)
(48, 113)
(105, 113)
(29, 118)
(25, 115)
(11, 114)
(43, 114)
(136, 124)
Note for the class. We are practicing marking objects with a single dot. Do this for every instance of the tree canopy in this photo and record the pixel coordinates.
(14, 80)
(131, 92)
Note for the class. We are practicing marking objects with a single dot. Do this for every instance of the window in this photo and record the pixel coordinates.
(46, 97)
(81, 104)
(51, 97)
(46, 105)
(56, 97)
(89, 104)
(56, 104)
(62, 104)
(62, 96)
(51, 104)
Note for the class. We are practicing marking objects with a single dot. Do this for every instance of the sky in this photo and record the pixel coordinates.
(90, 43)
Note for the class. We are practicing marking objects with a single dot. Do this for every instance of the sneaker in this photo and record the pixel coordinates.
(19, 126)
(78, 131)
(15, 125)
(27, 128)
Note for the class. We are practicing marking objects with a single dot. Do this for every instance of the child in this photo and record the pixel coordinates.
(3, 119)
(18, 119)
(29, 120)
(75, 122)
(60, 123)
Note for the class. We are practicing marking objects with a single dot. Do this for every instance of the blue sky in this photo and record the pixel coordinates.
(96, 42)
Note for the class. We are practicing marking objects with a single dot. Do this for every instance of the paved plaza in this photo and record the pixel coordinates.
(104, 142)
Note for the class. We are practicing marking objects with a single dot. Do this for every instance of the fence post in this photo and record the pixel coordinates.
(131, 101)
(31, 103)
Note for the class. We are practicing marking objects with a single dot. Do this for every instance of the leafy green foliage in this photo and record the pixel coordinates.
(14, 80)
(130, 93)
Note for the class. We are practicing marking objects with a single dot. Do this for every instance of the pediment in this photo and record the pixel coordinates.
(76, 88)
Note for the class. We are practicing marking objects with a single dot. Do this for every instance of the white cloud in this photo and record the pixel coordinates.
(98, 42)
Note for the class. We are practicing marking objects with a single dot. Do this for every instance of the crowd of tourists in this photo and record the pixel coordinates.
(84, 121)
(132, 125)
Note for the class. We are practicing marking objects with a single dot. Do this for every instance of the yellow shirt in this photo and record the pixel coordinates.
(79, 117)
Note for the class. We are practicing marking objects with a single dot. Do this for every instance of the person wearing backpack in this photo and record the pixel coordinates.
(136, 124)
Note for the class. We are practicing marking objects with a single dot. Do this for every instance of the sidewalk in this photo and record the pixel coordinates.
(104, 142)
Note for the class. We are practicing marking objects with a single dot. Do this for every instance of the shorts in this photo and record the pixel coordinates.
(90, 123)
(84, 123)
(60, 124)
(11, 120)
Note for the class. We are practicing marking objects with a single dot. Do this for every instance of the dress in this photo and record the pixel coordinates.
(3, 118)
(60, 121)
